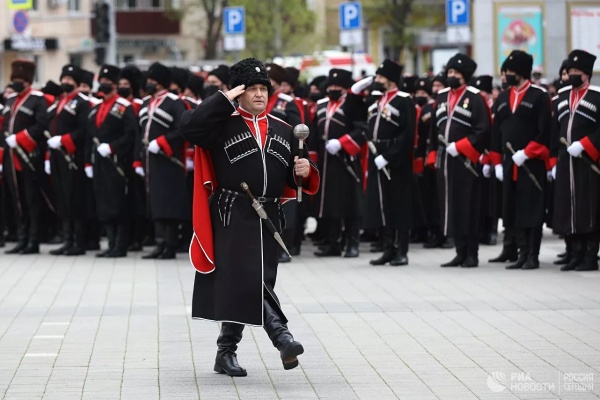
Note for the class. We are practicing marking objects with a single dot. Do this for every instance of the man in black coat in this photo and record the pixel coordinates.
(68, 127)
(25, 120)
(577, 187)
(392, 128)
(233, 248)
(522, 121)
(112, 129)
(462, 117)
(159, 146)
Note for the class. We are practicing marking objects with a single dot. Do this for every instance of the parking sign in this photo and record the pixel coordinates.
(457, 12)
(234, 20)
(350, 16)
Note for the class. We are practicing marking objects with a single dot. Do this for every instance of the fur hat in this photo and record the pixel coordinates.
(52, 88)
(409, 83)
(196, 84)
(276, 72)
(221, 72)
(318, 81)
(423, 84)
(110, 72)
(161, 74)
(563, 66)
(248, 72)
(291, 76)
(132, 74)
(390, 70)
(441, 78)
(87, 77)
(582, 60)
(180, 77)
(463, 64)
(520, 63)
(23, 69)
(483, 83)
(73, 71)
(340, 77)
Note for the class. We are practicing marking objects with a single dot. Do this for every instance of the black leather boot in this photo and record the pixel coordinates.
(158, 250)
(523, 254)
(226, 361)
(168, 254)
(399, 259)
(509, 253)
(351, 250)
(17, 249)
(590, 261)
(31, 248)
(577, 255)
(280, 336)
(470, 262)
(62, 249)
(333, 250)
(456, 261)
(532, 263)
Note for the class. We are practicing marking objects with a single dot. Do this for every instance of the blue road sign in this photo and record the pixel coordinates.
(20, 21)
(458, 12)
(234, 20)
(350, 15)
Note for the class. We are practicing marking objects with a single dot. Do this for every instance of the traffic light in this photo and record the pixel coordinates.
(100, 55)
(102, 22)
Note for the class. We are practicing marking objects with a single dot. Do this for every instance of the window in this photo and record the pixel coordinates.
(73, 5)
(76, 59)
(140, 4)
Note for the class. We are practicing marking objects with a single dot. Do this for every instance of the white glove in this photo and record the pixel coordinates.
(104, 149)
(153, 147)
(361, 85)
(54, 142)
(47, 169)
(499, 172)
(140, 171)
(11, 141)
(451, 149)
(189, 164)
(0, 168)
(487, 171)
(380, 162)
(520, 157)
(549, 176)
(554, 172)
(333, 146)
(575, 149)
(89, 171)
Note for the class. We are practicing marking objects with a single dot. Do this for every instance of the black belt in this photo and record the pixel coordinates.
(261, 199)
(384, 141)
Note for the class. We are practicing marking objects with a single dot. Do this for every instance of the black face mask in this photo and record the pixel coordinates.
(454, 82)
(378, 86)
(67, 87)
(511, 80)
(105, 88)
(18, 86)
(314, 97)
(575, 80)
(175, 92)
(209, 90)
(151, 88)
(84, 92)
(504, 85)
(334, 94)
(124, 92)
(421, 100)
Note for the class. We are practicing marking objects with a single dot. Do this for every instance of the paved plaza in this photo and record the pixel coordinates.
(87, 328)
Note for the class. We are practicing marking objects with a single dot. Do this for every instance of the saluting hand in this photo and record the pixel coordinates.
(235, 92)
(301, 167)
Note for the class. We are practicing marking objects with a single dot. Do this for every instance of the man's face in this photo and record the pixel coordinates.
(384, 81)
(254, 99)
(286, 88)
(84, 87)
(421, 93)
(175, 88)
(212, 80)
(575, 71)
(274, 84)
(314, 89)
(436, 87)
(456, 74)
(124, 83)
(565, 75)
(68, 80)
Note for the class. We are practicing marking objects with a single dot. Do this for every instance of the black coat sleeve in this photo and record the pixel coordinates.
(36, 131)
(399, 152)
(123, 147)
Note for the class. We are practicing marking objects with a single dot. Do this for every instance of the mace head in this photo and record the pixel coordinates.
(301, 132)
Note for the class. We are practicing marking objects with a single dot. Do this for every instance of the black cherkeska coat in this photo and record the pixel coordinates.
(246, 254)
(68, 119)
(165, 181)
(392, 128)
(525, 126)
(458, 189)
(577, 187)
(340, 192)
(119, 130)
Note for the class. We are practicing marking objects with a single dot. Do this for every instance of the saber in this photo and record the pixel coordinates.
(587, 161)
(465, 160)
(113, 162)
(62, 151)
(263, 216)
(162, 153)
(22, 154)
(301, 132)
(525, 168)
(373, 151)
(348, 166)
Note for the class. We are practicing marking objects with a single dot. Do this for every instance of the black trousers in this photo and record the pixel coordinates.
(74, 232)
(467, 245)
(585, 246)
(118, 236)
(351, 227)
(167, 232)
(27, 200)
(395, 239)
(528, 240)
